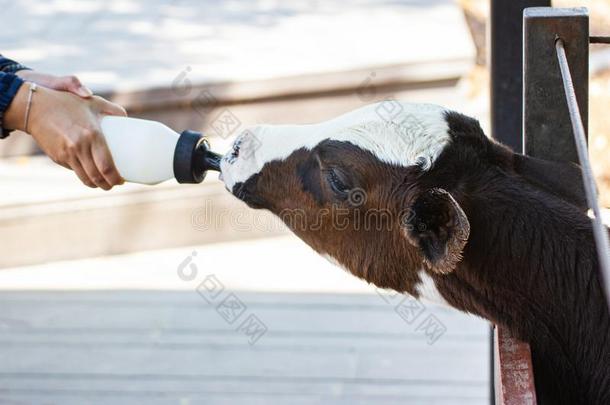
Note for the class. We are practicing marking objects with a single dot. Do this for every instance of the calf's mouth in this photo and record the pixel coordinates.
(246, 192)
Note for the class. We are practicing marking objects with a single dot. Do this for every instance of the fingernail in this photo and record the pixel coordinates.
(84, 91)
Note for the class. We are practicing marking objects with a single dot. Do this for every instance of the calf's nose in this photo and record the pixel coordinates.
(240, 162)
(244, 145)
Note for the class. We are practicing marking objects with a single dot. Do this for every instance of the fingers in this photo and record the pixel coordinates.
(91, 160)
(104, 163)
(68, 158)
(97, 161)
(64, 83)
(85, 158)
(80, 172)
(71, 84)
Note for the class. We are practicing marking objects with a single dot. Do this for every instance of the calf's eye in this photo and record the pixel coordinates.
(337, 182)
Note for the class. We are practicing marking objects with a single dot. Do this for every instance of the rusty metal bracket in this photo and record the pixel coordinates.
(514, 371)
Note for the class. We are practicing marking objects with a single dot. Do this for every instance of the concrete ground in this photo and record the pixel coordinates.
(260, 322)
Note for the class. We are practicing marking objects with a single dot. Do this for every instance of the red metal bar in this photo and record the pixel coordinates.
(514, 375)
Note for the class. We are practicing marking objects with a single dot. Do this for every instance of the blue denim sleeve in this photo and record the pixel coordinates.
(9, 85)
(10, 66)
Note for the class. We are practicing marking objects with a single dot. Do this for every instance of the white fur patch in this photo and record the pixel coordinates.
(397, 133)
(427, 290)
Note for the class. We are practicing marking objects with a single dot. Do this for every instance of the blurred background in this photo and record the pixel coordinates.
(181, 295)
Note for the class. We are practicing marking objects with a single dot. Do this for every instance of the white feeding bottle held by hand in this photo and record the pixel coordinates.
(149, 152)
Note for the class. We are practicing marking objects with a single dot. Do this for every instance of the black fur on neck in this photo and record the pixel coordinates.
(530, 264)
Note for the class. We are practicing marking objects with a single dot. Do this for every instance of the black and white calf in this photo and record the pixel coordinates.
(443, 212)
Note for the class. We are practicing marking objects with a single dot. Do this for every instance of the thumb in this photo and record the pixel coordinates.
(110, 108)
(73, 85)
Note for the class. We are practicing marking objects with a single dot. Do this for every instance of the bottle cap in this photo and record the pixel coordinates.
(193, 158)
(184, 154)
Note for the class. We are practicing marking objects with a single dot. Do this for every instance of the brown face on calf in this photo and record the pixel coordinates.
(373, 218)
(388, 200)
(378, 195)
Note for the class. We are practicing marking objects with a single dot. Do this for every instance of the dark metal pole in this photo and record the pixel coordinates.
(547, 129)
(506, 67)
(506, 93)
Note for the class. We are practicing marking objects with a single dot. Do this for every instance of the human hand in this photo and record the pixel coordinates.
(70, 84)
(66, 127)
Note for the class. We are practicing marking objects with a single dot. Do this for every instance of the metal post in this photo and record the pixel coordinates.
(547, 129)
(506, 93)
(506, 62)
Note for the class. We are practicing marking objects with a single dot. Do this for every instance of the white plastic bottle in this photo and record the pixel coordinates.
(149, 152)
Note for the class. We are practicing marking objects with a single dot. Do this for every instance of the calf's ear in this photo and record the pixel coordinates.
(437, 225)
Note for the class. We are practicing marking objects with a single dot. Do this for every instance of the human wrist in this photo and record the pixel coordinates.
(41, 102)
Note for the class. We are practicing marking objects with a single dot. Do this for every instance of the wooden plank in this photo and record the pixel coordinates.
(112, 224)
(207, 96)
(136, 311)
(133, 347)
(514, 371)
(154, 398)
(201, 383)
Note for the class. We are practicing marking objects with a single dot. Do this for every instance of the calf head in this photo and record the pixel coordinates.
(376, 192)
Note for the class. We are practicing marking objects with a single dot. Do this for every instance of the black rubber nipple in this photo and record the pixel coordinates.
(193, 158)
